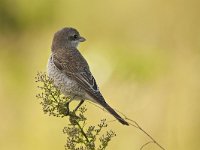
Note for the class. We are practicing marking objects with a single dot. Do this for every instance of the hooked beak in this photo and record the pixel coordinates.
(81, 39)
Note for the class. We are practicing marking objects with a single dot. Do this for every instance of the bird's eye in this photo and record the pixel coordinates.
(75, 36)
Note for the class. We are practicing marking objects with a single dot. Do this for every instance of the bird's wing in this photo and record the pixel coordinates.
(74, 65)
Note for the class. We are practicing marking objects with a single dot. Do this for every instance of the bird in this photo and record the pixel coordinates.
(70, 71)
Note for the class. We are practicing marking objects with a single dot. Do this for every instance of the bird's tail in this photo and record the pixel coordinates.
(111, 110)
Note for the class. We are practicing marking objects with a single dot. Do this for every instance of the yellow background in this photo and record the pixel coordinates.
(144, 54)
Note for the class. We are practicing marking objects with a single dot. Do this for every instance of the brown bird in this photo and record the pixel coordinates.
(70, 71)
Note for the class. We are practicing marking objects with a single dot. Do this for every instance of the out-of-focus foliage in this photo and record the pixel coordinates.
(145, 56)
(18, 16)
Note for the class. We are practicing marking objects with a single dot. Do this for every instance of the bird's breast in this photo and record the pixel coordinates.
(66, 85)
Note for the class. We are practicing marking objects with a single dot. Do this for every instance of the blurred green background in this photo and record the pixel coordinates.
(145, 56)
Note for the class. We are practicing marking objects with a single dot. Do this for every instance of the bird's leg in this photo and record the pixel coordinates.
(81, 102)
(67, 105)
(67, 108)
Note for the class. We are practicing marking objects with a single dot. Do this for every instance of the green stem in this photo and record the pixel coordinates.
(50, 91)
(83, 132)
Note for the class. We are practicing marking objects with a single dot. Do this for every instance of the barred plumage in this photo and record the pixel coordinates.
(70, 71)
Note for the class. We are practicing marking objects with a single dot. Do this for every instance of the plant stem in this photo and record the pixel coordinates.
(84, 134)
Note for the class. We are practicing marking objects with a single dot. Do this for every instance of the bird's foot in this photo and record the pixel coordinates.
(67, 111)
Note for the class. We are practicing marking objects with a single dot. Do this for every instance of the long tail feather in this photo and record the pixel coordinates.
(111, 110)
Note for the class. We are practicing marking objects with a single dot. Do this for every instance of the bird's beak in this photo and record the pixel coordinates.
(81, 39)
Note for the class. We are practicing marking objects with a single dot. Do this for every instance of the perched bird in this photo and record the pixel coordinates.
(70, 71)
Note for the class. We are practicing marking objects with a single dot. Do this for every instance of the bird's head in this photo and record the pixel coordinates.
(67, 37)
